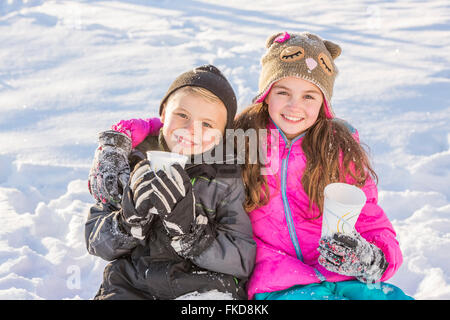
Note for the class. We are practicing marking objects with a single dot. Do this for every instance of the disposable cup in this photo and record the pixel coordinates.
(161, 160)
(342, 205)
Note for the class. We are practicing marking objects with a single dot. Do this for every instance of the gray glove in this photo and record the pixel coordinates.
(110, 169)
(352, 255)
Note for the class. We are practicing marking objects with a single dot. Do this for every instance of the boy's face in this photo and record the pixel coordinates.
(192, 124)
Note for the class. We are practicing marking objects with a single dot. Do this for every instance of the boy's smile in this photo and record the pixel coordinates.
(185, 142)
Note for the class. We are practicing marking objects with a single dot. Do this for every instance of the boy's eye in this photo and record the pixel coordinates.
(207, 125)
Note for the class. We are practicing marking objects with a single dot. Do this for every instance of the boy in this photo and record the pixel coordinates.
(174, 233)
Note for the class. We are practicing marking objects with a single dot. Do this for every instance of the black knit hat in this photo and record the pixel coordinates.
(210, 78)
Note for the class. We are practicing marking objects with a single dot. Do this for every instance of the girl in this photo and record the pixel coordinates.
(285, 206)
(170, 235)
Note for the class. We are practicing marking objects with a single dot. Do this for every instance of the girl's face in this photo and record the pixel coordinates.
(192, 124)
(294, 105)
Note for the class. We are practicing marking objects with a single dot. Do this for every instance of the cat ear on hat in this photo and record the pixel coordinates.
(270, 39)
(334, 49)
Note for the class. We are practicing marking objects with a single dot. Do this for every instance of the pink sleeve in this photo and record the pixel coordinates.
(375, 227)
(138, 129)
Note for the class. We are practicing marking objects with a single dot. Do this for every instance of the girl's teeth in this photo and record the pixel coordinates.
(291, 118)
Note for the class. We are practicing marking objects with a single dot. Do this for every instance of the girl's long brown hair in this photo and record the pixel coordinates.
(332, 155)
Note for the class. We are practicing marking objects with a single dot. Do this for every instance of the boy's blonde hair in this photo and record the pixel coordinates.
(197, 91)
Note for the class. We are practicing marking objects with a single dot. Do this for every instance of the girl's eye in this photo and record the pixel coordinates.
(182, 115)
(283, 93)
(309, 97)
(207, 125)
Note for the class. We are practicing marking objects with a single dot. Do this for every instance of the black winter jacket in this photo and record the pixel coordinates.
(220, 254)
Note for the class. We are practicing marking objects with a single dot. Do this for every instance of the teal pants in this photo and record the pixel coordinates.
(345, 290)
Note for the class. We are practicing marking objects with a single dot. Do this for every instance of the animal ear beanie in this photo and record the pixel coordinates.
(302, 55)
(207, 77)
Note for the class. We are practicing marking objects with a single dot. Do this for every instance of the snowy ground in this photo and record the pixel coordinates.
(69, 69)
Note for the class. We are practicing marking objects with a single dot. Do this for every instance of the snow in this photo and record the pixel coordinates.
(209, 295)
(69, 69)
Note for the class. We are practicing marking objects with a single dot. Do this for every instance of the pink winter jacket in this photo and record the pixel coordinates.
(278, 264)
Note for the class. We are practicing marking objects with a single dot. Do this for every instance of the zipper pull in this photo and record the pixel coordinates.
(286, 149)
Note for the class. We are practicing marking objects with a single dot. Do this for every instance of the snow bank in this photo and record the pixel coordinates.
(44, 252)
(69, 69)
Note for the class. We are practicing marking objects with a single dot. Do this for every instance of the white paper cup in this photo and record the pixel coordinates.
(342, 205)
(161, 160)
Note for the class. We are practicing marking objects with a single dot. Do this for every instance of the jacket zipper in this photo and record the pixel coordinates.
(287, 209)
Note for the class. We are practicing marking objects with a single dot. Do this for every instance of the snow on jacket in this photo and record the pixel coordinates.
(153, 266)
(278, 265)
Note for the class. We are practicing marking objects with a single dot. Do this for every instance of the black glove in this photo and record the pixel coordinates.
(352, 255)
(137, 223)
(168, 195)
(110, 170)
